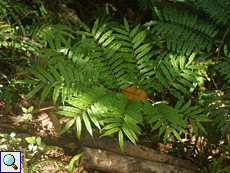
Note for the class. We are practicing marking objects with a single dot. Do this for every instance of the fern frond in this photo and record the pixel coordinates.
(45, 31)
(83, 104)
(144, 4)
(121, 114)
(185, 33)
(177, 76)
(164, 116)
(223, 68)
(124, 116)
(64, 77)
(218, 9)
(122, 62)
(219, 110)
(193, 114)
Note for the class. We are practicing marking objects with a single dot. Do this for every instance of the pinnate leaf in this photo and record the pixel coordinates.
(67, 126)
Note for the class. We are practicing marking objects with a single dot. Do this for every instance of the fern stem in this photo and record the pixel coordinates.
(150, 100)
(109, 67)
(22, 17)
(168, 88)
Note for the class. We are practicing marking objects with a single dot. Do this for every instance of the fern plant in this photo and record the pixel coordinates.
(90, 75)
(184, 32)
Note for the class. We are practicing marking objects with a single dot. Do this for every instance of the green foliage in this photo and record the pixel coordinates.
(176, 75)
(38, 36)
(217, 9)
(144, 4)
(223, 68)
(216, 167)
(167, 57)
(30, 38)
(176, 119)
(34, 143)
(29, 115)
(219, 107)
(7, 92)
(88, 73)
(74, 162)
(10, 141)
(106, 61)
(184, 33)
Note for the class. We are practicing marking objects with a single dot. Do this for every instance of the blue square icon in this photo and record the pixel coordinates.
(10, 161)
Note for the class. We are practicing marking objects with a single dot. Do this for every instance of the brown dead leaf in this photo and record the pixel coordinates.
(55, 121)
(134, 93)
(69, 145)
(44, 118)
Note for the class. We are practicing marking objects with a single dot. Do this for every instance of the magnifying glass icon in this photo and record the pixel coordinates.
(9, 160)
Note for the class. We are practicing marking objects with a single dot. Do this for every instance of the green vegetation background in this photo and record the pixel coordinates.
(83, 54)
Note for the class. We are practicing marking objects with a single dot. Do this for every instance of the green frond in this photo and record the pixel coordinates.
(95, 105)
(144, 4)
(184, 33)
(123, 63)
(217, 9)
(194, 115)
(177, 75)
(65, 77)
(224, 70)
(164, 116)
(51, 33)
(219, 111)
(85, 108)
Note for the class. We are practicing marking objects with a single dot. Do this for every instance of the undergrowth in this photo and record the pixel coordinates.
(176, 55)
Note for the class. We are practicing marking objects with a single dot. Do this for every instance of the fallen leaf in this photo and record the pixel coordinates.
(69, 145)
(55, 121)
(134, 93)
(44, 118)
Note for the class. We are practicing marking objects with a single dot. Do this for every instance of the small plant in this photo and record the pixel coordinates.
(10, 142)
(34, 143)
(29, 115)
(7, 92)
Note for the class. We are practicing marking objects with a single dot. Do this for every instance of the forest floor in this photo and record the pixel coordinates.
(43, 124)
